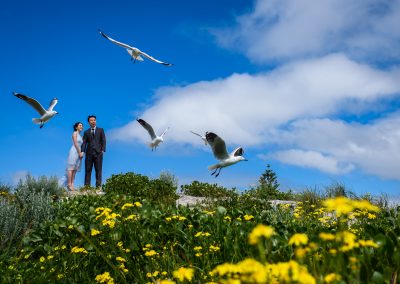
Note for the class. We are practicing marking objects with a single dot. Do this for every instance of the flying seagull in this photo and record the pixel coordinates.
(201, 136)
(45, 115)
(135, 53)
(155, 140)
(220, 153)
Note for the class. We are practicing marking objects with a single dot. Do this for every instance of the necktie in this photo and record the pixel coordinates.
(93, 132)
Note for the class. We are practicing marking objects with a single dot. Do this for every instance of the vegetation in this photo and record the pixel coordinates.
(136, 234)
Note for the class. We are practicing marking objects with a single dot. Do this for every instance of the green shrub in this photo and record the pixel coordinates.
(22, 213)
(139, 186)
(168, 177)
(43, 184)
(204, 189)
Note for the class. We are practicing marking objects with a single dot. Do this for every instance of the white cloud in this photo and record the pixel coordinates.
(373, 147)
(243, 108)
(284, 29)
(311, 159)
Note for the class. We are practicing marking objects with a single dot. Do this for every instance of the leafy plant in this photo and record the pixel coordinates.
(142, 187)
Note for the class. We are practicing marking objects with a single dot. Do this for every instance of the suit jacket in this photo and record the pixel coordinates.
(94, 145)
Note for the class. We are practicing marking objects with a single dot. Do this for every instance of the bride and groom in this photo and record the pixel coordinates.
(92, 145)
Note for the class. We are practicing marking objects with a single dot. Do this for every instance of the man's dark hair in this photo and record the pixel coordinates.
(90, 116)
(76, 125)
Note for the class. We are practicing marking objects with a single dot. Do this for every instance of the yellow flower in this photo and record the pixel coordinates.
(298, 239)
(368, 243)
(120, 259)
(198, 254)
(332, 277)
(260, 231)
(138, 204)
(182, 218)
(168, 219)
(127, 205)
(301, 252)
(42, 259)
(197, 248)
(166, 281)
(78, 250)
(184, 273)
(94, 232)
(150, 253)
(341, 205)
(227, 218)
(326, 236)
(248, 217)
(50, 257)
(371, 216)
(214, 248)
(105, 278)
(130, 217)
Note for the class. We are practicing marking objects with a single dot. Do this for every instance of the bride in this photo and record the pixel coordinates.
(75, 155)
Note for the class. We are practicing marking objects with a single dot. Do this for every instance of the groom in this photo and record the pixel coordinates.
(94, 145)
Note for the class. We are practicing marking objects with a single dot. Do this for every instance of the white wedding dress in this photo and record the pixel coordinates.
(73, 161)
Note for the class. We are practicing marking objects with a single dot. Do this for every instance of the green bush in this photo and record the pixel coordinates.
(43, 184)
(139, 186)
(25, 211)
(204, 189)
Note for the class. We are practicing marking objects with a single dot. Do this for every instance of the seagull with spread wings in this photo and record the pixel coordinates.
(45, 115)
(155, 140)
(220, 153)
(201, 136)
(135, 53)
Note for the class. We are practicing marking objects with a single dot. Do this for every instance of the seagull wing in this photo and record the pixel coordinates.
(148, 128)
(164, 132)
(116, 42)
(237, 152)
(155, 60)
(34, 103)
(53, 104)
(197, 134)
(217, 145)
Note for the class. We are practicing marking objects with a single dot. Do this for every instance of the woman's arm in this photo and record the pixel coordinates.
(75, 140)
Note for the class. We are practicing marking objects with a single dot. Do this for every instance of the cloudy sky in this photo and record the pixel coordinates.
(310, 87)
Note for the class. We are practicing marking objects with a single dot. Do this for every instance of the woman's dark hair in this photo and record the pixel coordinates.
(76, 125)
(90, 116)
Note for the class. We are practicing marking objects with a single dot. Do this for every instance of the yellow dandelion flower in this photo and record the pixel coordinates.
(260, 231)
(42, 259)
(105, 278)
(298, 239)
(368, 243)
(248, 217)
(127, 205)
(138, 204)
(332, 277)
(94, 232)
(184, 274)
(198, 248)
(78, 250)
(120, 259)
(326, 236)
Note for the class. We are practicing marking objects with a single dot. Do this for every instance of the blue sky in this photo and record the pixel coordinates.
(310, 87)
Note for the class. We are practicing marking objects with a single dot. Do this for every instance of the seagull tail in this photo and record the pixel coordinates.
(213, 167)
(36, 120)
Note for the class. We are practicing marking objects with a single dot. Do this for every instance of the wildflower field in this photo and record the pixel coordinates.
(126, 237)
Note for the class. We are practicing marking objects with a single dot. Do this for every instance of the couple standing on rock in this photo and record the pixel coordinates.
(93, 145)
